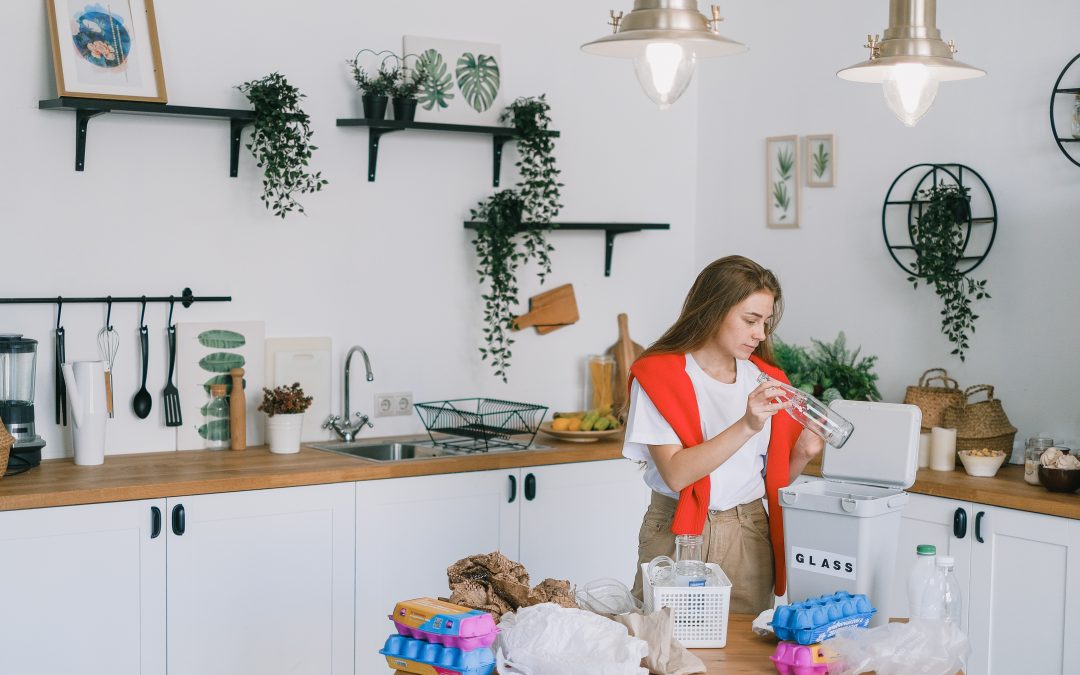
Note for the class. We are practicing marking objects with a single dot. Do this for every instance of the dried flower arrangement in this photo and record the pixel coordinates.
(284, 400)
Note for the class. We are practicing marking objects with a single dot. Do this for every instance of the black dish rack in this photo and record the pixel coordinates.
(481, 423)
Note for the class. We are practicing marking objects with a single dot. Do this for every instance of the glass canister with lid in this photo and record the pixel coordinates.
(1032, 452)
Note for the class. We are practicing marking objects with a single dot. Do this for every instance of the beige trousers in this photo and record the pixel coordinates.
(737, 540)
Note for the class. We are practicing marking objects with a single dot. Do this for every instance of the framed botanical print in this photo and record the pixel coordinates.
(106, 49)
(465, 80)
(821, 160)
(782, 181)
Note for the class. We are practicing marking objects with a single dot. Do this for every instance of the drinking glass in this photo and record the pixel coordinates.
(690, 569)
(813, 414)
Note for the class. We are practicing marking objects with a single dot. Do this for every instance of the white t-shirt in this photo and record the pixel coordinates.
(739, 480)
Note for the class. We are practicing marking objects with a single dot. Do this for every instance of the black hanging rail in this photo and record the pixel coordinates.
(186, 299)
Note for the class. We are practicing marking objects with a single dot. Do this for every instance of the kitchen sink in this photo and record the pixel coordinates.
(393, 451)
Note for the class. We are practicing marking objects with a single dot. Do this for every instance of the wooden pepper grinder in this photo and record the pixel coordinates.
(237, 411)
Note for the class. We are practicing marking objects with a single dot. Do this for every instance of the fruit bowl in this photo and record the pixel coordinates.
(578, 436)
(981, 465)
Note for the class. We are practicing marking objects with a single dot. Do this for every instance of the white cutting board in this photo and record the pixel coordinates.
(307, 361)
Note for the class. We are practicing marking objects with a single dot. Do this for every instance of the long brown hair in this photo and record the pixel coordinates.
(723, 284)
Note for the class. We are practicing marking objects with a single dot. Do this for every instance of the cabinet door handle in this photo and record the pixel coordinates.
(978, 526)
(179, 523)
(959, 523)
(155, 522)
(513, 488)
(530, 487)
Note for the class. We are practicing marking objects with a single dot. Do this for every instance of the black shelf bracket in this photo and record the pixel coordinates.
(379, 128)
(611, 230)
(88, 108)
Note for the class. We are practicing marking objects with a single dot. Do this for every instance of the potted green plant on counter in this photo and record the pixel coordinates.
(284, 408)
(829, 371)
(281, 143)
(939, 236)
(512, 226)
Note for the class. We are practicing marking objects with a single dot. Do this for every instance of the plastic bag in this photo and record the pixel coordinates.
(922, 646)
(547, 639)
(607, 596)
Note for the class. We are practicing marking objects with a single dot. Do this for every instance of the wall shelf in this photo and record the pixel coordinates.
(379, 128)
(87, 108)
(610, 232)
(1064, 91)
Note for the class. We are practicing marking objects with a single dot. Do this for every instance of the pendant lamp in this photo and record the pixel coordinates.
(664, 38)
(911, 60)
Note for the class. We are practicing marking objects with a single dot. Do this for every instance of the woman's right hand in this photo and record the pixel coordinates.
(761, 405)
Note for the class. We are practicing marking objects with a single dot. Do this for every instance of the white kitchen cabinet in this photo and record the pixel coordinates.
(261, 582)
(84, 590)
(1020, 583)
(1025, 593)
(580, 521)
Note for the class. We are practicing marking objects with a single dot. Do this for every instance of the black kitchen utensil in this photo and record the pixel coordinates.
(143, 401)
(170, 397)
(58, 375)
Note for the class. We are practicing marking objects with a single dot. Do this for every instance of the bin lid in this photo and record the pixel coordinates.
(882, 450)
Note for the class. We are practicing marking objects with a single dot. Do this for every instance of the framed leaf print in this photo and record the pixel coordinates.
(821, 160)
(782, 181)
(465, 80)
(106, 49)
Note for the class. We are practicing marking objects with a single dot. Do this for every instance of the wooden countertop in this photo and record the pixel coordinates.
(58, 482)
(746, 652)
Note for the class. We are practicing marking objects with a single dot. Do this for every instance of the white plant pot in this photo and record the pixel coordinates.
(283, 433)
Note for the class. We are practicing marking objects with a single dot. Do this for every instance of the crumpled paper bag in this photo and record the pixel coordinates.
(666, 656)
(494, 583)
(547, 639)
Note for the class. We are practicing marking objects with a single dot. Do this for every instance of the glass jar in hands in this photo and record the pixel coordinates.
(812, 413)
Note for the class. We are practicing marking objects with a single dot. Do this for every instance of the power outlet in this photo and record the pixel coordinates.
(390, 405)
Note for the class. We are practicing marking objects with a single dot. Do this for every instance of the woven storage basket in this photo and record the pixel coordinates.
(982, 424)
(6, 441)
(934, 400)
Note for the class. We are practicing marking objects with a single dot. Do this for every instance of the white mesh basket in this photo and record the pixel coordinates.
(700, 612)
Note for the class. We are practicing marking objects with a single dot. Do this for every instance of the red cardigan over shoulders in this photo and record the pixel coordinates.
(664, 379)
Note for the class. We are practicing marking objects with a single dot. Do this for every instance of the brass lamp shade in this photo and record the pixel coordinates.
(911, 38)
(653, 21)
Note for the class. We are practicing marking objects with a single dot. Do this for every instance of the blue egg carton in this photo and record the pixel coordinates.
(819, 619)
(405, 653)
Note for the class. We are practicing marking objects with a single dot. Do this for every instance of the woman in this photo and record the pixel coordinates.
(708, 433)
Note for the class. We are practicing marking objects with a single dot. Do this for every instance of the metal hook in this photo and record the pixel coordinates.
(59, 309)
(108, 314)
(172, 301)
(142, 317)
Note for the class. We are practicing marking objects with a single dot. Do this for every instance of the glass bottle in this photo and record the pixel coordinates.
(813, 414)
(599, 381)
(215, 429)
(1076, 117)
(1032, 453)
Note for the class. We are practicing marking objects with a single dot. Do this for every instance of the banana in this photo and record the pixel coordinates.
(601, 424)
(575, 413)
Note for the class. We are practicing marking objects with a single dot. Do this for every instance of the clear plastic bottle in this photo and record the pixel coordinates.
(215, 429)
(921, 571)
(941, 598)
(813, 414)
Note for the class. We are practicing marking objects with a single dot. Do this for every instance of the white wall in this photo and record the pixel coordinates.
(835, 269)
(386, 265)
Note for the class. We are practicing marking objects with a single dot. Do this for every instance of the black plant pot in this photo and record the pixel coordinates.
(374, 106)
(405, 109)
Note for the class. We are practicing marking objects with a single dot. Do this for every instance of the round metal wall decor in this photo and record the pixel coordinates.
(1069, 94)
(904, 205)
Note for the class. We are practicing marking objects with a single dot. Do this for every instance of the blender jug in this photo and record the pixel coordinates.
(18, 368)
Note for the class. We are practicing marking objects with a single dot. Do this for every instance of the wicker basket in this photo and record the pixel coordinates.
(934, 400)
(6, 441)
(982, 424)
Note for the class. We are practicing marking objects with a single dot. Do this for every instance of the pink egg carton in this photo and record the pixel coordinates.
(795, 659)
(444, 623)
(456, 641)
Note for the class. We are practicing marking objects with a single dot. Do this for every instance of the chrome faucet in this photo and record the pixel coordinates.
(342, 425)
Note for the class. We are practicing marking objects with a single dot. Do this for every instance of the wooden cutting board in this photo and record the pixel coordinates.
(625, 352)
(550, 310)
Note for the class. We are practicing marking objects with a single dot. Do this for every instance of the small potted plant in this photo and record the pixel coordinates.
(404, 92)
(375, 90)
(284, 408)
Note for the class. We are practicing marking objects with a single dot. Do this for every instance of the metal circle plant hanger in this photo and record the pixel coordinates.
(1070, 91)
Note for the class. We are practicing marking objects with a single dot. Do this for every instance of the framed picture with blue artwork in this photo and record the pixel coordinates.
(107, 49)
(464, 83)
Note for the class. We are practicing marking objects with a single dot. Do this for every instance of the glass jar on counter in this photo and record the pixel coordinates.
(599, 381)
(1032, 453)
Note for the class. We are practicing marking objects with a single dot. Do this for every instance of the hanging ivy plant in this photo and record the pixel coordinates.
(281, 143)
(938, 237)
(512, 227)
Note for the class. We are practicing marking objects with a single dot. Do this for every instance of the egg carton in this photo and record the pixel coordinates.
(419, 656)
(820, 618)
(444, 623)
(795, 659)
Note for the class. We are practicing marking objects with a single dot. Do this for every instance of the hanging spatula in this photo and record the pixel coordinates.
(170, 397)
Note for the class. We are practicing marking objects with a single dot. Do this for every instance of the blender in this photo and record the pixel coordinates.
(18, 368)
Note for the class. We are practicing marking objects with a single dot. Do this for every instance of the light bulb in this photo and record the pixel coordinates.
(664, 70)
(910, 89)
